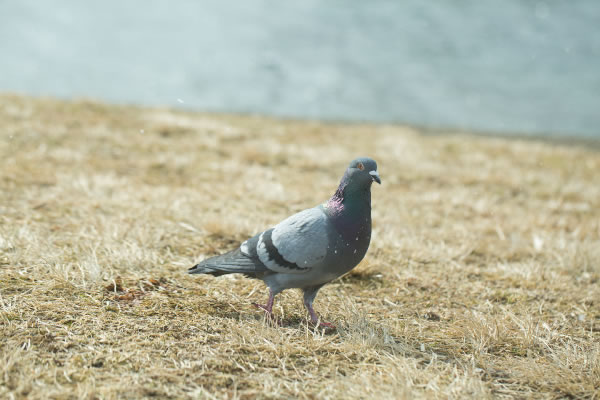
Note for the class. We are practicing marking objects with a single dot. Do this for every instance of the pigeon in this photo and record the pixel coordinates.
(310, 248)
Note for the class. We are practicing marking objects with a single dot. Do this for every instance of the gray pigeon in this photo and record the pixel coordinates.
(310, 248)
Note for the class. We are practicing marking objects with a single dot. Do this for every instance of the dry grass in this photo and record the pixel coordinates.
(482, 279)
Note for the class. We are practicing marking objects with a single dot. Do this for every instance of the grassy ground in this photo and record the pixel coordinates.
(482, 279)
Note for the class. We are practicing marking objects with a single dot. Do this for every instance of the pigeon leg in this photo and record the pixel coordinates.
(315, 319)
(267, 308)
(309, 297)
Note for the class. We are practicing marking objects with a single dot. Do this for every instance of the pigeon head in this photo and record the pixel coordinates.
(356, 182)
(363, 171)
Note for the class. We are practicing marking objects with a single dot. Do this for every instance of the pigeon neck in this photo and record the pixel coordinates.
(350, 199)
(349, 211)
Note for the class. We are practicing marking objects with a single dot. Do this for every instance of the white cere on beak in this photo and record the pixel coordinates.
(375, 176)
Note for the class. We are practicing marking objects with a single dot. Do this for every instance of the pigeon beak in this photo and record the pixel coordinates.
(375, 176)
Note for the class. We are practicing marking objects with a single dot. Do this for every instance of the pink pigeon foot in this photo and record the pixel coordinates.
(326, 325)
(268, 308)
(314, 319)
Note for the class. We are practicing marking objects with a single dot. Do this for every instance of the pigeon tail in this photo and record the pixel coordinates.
(233, 262)
(205, 269)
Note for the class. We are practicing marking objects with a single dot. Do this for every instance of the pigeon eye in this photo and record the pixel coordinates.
(360, 166)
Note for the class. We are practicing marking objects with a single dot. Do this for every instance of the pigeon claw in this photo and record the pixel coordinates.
(264, 308)
(326, 325)
(322, 324)
(268, 314)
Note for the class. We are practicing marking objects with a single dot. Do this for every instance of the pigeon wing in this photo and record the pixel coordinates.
(295, 245)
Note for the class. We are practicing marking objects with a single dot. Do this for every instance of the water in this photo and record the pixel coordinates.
(508, 66)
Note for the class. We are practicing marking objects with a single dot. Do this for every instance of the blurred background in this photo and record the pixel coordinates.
(507, 67)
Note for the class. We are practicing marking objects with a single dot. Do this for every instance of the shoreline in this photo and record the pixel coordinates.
(552, 138)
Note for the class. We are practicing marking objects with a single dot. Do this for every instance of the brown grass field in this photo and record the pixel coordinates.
(482, 279)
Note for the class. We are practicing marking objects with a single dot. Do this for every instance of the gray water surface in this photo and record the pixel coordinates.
(507, 66)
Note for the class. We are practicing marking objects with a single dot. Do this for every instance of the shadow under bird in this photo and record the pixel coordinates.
(310, 248)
